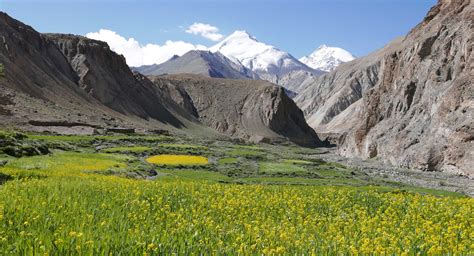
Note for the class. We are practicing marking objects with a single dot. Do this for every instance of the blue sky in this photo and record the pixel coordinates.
(295, 26)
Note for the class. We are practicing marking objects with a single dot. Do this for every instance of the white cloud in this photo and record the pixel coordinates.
(138, 55)
(205, 30)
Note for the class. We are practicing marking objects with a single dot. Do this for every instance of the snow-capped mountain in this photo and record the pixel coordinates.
(256, 55)
(327, 58)
(268, 62)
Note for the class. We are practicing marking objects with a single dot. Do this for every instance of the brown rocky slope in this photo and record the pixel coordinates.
(71, 79)
(410, 103)
(253, 109)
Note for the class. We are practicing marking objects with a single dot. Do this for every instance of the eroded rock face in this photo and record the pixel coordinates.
(250, 109)
(411, 102)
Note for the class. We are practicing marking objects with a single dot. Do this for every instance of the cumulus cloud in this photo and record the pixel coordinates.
(136, 54)
(205, 30)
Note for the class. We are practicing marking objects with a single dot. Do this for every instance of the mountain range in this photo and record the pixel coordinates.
(242, 53)
(409, 104)
(268, 62)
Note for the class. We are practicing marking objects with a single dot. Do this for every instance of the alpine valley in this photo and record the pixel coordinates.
(237, 147)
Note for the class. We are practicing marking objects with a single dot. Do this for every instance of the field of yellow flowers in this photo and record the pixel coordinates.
(167, 159)
(67, 203)
(107, 214)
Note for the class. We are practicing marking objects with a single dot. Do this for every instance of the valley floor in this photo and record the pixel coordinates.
(378, 168)
(130, 194)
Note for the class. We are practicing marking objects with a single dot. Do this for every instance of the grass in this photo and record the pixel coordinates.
(131, 149)
(62, 138)
(282, 168)
(250, 147)
(178, 160)
(236, 161)
(281, 181)
(228, 160)
(331, 173)
(181, 146)
(333, 165)
(251, 154)
(296, 161)
(61, 164)
(309, 181)
(192, 175)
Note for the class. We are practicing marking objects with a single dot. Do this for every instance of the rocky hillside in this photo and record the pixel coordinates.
(72, 84)
(200, 63)
(251, 109)
(61, 81)
(37, 78)
(410, 103)
(105, 76)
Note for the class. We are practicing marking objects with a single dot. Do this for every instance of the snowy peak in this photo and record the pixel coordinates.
(241, 35)
(327, 58)
(266, 61)
(323, 46)
(243, 47)
(255, 55)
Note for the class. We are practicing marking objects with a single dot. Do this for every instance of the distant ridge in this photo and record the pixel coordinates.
(201, 63)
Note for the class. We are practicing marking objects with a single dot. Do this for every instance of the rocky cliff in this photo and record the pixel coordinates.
(410, 103)
(250, 109)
